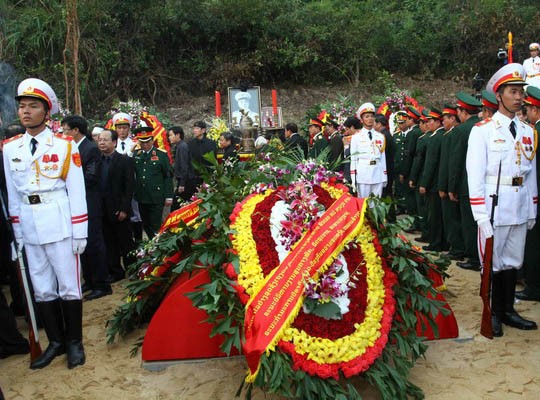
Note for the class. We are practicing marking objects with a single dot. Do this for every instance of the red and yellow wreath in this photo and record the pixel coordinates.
(320, 346)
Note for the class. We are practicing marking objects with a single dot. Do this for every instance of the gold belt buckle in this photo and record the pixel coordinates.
(372, 162)
(517, 181)
(34, 199)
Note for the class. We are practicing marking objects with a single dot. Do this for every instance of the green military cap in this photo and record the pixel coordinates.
(449, 109)
(468, 102)
(413, 113)
(143, 133)
(489, 100)
(532, 96)
(425, 114)
(434, 114)
(401, 116)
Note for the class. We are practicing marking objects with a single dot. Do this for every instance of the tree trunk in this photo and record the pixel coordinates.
(71, 58)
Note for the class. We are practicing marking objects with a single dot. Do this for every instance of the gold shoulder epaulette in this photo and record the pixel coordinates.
(62, 136)
(483, 122)
(11, 139)
(164, 151)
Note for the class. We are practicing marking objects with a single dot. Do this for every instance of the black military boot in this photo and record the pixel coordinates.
(510, 317)
(497, 303)
(73, 321)
(50, 314)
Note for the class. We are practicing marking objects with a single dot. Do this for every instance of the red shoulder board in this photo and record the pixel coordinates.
(11, 139)
(483, 122)
(62, 136)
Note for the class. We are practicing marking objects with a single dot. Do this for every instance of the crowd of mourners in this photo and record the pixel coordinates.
(83, 198)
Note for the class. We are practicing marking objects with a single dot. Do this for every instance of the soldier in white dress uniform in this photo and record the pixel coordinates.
(504, 142)
(122, 124)
(368, 162)
(47, 205)
(532, 65)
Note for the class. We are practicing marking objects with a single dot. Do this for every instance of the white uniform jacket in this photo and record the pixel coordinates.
(368, 162)
(129, 146)
(47, 199)
(491, 143)
(532, 68)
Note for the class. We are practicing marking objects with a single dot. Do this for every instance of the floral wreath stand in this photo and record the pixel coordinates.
(177, 331)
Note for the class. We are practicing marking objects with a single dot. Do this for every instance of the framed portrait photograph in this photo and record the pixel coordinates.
(244, 103)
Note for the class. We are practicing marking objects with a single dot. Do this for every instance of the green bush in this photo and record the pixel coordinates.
(156, 51)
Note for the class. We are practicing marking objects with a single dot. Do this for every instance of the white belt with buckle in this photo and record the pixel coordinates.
(45, 197)
(367, 162)
(505, 180)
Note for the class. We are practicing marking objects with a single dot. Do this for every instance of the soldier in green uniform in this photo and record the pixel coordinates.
(317, 140)
(458, 190)
(412, 134)
(399, 156)
(428, 183)
(531, 263)
(416, 172)
(153, 181)
(450, 209)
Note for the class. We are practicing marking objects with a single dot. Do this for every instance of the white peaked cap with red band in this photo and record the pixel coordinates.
(33, 87)
(122, 118)
(510, 74)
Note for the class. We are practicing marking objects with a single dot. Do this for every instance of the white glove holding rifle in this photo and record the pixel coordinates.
(14, 252)
(484, 225)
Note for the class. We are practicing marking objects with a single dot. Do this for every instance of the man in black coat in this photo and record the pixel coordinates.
(183, 169)
(294, 140)
(335, 143)
(94, 258)
(8, 267)
(11, 341)
(116, 184)
(198, 147)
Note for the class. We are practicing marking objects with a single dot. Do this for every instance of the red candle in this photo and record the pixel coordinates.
(274, 101)
(218, 104)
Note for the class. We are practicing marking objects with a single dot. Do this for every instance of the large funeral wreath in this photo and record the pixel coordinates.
(355, 313)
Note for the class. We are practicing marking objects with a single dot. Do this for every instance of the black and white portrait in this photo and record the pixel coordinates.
(244, 104)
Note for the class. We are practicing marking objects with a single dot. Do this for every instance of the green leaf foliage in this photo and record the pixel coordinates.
(156, 51)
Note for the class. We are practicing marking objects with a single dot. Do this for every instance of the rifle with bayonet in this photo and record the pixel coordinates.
(486, 327)
(33, 334)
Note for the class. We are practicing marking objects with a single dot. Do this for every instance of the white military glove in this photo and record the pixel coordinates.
(78, 245)
(530, 224)
(14, 254)
(485, 228)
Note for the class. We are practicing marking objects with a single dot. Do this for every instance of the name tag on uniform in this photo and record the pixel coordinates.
(373, 162)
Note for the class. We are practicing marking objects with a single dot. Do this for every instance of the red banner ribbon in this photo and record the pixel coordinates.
(187, 214)
(273, 307)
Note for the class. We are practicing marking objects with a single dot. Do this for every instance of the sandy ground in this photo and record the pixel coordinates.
(471, 367)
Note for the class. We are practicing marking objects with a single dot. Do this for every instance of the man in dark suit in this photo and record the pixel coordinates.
(116, 184)
(94, 258)
(8, 267)
(11, 341)
(294, 140)
(335, 143)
